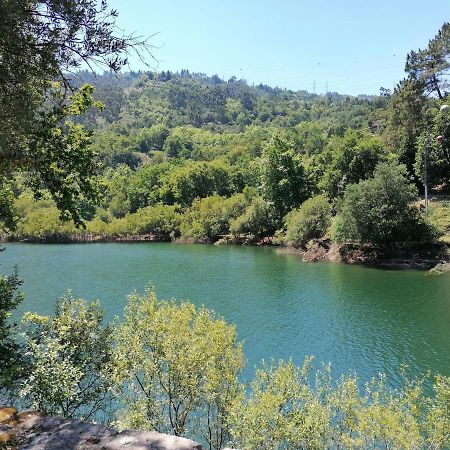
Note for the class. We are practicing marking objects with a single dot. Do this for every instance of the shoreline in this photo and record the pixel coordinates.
(434, 258)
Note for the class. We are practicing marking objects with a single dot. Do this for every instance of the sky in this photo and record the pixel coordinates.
(348, 46)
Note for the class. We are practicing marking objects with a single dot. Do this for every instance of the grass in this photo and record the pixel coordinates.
(440, 217)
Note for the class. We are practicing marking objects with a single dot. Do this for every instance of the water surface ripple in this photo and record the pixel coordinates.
(356, 318)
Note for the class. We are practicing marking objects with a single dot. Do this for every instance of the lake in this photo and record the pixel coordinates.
(358, 319)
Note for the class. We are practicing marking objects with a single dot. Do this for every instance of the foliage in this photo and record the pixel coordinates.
(8, 214)
(440, 216)
(437, 148)
(349, 159)
(175, 369)
(257, 221)
(404, 121)
(310, 221)
(282, 176)
(40, 42)
(380, 211)
(285, 409)
(41, 220)
(196, 180)
(430, 66)
(174, 138)
(152, 138)
(68, 360)
(161, 220)
(177, 366)
(211, 217)
(58, 157)
(10, 355)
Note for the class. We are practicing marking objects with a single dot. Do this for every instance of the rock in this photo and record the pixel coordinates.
(92, 440)
(6, 436)
(53, 423)
(29, 420)
(7, 413)
(440, 268)
(149, 440)
(32, 430)
(56, 433)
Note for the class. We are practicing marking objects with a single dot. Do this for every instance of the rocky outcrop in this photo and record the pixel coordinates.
(32, 430)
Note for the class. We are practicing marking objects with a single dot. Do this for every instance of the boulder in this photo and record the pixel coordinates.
(32, 430)
(149, 440)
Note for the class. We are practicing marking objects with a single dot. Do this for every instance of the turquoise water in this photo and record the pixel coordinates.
(360, 319)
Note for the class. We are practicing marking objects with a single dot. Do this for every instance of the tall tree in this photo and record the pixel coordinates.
(42, 41)
(431, 65)
(405, 120)
(283, 177)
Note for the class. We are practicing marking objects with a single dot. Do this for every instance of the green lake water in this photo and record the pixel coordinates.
(355, 318)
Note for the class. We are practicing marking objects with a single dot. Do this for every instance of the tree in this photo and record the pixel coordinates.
(210, 217)
(283, 177)
(310, 221)
(349, 159)
(405, 120)
(152, 138)
(380, 211)
(67, 365)
(10, 355)
(257, 221)
(178, 368)
(195, 180)
(436, 138)
(430, 66)
(41, 41)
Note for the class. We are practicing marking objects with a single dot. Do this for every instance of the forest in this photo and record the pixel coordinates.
(194, 157)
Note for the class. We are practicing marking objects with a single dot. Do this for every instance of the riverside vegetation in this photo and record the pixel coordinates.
(199, 157)
(175, 368)
(242, 167)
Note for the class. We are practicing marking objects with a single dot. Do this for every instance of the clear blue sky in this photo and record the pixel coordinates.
(356, 46)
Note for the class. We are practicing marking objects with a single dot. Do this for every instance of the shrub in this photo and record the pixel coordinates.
(286, 409)
(308, 222)
(10, 355)
(42, 220)
(380, 210)
(68, 360)
(159, 219)
(177, 366)
(258, 220)
(210, 217)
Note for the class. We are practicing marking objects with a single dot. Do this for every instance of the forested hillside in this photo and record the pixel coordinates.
(191, 155)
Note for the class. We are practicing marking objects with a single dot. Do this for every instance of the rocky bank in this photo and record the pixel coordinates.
(32, 430)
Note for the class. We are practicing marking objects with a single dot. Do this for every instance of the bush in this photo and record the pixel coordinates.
(195, 180)
(10, 356)
(68, 357)
(257, 221)
(160, 220)
(178, 368)
(310, 221)
(210, 217)
(42, 220)
(286, 410)
(380, 210)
